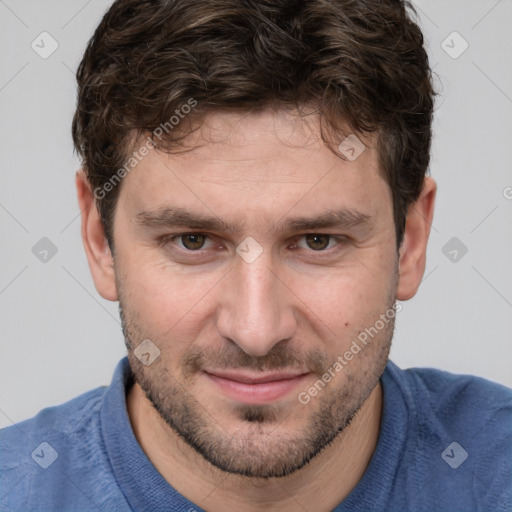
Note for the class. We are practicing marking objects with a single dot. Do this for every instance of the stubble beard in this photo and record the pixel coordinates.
(263, 446)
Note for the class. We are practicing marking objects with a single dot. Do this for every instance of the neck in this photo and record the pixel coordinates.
(332, 474)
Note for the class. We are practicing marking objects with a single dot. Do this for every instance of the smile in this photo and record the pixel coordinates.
(256, 388)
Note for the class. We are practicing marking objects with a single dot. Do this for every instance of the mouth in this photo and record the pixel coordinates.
(256, 388)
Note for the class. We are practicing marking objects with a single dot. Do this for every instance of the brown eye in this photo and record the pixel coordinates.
(318, 242)
(193, 242)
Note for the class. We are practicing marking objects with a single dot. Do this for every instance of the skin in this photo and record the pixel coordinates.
(293, 308)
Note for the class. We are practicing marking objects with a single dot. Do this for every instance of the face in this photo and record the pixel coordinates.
(252, 262)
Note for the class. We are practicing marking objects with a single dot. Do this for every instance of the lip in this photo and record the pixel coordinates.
(251, 388)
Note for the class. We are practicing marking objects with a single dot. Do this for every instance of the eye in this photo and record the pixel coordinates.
(191, 241)
(317, 242)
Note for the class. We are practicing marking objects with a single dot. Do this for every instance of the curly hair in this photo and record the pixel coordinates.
(361, 62)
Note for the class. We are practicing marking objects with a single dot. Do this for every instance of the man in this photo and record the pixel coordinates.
(254, 194)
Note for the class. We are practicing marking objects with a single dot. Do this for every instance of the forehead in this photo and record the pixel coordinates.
(264, 164)
(269, 134)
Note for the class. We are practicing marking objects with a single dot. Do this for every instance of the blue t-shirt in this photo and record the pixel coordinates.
(445, 444)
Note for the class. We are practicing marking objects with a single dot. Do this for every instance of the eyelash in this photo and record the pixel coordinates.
(341, 241)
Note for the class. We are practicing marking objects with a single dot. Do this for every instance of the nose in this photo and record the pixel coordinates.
(256, 310)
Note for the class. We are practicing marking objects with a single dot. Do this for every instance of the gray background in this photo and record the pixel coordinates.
(59, 338)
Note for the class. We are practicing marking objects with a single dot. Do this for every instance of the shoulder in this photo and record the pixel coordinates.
(458, 400)
(56, 458)
(456, 405)
(459, 438)
(59, 420)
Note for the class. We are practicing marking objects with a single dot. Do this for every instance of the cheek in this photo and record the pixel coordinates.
(350, 299)
(167, 303)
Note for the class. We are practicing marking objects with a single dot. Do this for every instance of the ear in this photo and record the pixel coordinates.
(413, 250)
(95, 243)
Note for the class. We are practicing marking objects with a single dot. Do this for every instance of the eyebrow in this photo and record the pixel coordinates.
(180, 218)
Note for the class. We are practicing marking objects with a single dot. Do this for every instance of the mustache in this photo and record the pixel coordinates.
(231, 357)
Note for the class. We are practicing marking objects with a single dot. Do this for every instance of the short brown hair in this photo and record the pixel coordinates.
(362, 62)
